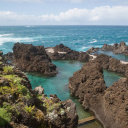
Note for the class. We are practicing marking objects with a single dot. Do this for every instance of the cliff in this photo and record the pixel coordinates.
(109, 104)
(33, 59)
(22, 107)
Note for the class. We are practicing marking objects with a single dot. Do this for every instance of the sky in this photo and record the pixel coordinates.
(63, 12)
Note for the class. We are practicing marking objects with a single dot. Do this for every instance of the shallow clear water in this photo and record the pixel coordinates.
(110, 77)
(59, 85)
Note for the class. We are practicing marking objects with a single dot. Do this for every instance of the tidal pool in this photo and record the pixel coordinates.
(59, 85)
(110, 77)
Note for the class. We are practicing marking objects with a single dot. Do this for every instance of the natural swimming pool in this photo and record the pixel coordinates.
(59, 85)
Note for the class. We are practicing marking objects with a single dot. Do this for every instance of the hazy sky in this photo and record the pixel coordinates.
(63, 12)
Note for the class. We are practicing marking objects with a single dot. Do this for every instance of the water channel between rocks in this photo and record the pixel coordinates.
(59, 85)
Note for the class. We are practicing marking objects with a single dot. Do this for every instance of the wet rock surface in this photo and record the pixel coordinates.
(21, 107)
(33, 59)
(61, 52)
(109, 104)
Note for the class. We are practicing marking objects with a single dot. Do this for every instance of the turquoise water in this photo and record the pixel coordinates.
(59, 85)
(110, 77)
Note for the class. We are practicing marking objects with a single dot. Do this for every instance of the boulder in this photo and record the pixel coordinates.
(39, 90)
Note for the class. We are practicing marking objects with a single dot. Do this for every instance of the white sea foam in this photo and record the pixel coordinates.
(4, 38)
(93, 41)
(6, 35)
(111, 44)
(83, 49)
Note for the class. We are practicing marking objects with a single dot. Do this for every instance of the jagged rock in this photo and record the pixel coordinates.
(61, 52)
(33, 59)
(39, 90)
(92, 50)
(109, 104)
(107, 47)
(71, 114)
(116, 48)
(120, 48)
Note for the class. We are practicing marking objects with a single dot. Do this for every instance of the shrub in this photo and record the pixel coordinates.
(29, 109)
(7, 70)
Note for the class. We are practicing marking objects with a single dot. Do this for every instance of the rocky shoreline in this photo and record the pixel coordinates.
(22, 107)
(110, 105)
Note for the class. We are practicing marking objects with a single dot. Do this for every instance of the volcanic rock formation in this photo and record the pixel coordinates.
(116, 48)
(61, 52)
(109, 104)
(33, 59)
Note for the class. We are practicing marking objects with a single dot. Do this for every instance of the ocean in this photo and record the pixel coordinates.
(79, 38)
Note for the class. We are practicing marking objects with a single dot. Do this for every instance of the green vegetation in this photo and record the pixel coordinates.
(30, 109)
(15, 87)
(19, 100)
(5, 117)
(8, 69)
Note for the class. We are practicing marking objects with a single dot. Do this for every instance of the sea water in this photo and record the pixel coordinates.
(79, 38)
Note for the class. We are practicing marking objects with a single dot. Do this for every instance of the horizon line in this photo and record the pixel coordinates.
(58, 25)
